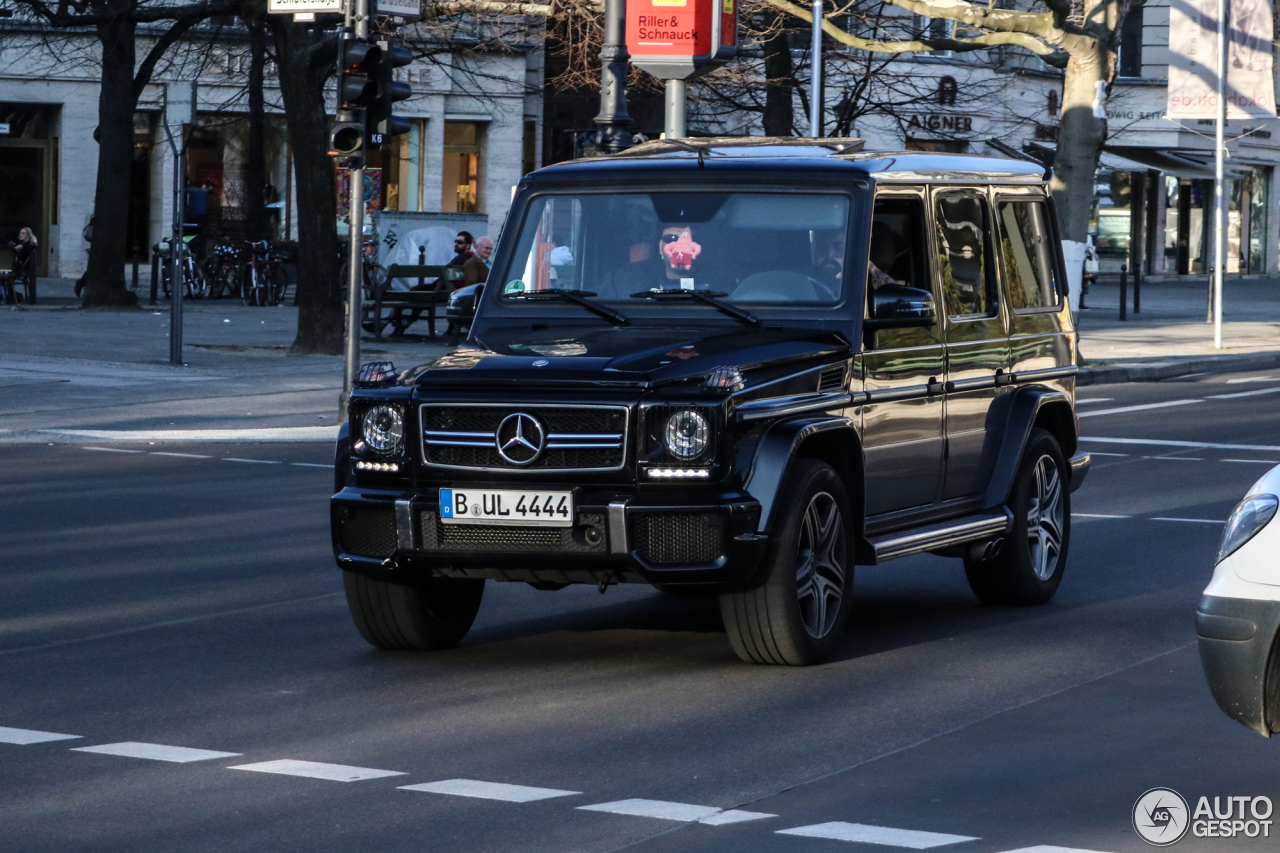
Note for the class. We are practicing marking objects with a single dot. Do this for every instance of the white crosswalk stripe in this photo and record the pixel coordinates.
(884, 835)
(156, 752)
(489, 790)
(317, 770)
(23, 737)
(676, 811)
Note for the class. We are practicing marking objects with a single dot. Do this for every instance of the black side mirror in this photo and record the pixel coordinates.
(895, 306)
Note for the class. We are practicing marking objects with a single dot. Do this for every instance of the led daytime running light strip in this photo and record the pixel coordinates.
(679, 473)
(377, 466)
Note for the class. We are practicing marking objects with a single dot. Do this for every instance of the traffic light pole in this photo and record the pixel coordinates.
(358, 11)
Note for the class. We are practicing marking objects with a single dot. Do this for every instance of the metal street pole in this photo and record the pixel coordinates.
(676, 94)
(613, 119)
(815, 52)
(175, 262)
(1219, 199)
(358, 16)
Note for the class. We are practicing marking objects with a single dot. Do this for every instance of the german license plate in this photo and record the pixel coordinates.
(506, 506)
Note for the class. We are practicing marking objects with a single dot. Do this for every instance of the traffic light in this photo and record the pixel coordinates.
(346, 142)
(380, 125)
(358, 61)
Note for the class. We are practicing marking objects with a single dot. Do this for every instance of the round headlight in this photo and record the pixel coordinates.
(383, 428)
(1249, 516)
(687, 434)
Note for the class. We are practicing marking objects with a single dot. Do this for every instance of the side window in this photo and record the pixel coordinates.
(894, 258)
(1025, 255)
(963, 261)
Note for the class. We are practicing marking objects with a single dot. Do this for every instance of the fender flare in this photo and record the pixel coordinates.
(1021, 416)
(776, 451)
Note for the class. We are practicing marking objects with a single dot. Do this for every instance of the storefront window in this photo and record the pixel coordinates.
(462, 179)
(1258, 196)
(217, 177)
(1186, 225)
(1235, 259)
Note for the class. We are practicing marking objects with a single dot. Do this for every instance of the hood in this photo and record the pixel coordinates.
(622, 355)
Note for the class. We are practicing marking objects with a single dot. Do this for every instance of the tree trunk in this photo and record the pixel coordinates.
(779, 112)
(320, 313)
(1080, 138)
(104, 282)
(256, 166)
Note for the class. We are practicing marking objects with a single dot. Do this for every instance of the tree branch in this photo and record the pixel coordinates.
(147, 67)
(1024, 39)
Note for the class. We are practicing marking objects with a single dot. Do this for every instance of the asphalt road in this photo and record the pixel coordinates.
(190, 601)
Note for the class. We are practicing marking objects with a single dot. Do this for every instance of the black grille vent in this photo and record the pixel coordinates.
(678, 538)
(831, 379)
(369, 532)
(576, 437)
(437, 536)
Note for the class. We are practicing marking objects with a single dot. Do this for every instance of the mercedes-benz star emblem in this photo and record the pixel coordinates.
(520, 438)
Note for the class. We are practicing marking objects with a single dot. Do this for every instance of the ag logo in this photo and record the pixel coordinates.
(1160, 816)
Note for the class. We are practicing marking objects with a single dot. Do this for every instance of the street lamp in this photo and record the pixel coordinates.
(613, 120)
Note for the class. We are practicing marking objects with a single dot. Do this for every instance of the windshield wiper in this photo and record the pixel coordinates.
(706, 297)
(577, 297)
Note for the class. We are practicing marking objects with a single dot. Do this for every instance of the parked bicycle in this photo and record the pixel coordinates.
(222, 270)
(372, 273)
(265, 280)
(192, 274)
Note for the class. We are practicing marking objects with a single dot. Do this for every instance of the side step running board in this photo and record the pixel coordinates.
(968, 529)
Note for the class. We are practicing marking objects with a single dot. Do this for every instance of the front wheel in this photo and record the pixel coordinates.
(797, 611)
(1029, 566)
(434, 615)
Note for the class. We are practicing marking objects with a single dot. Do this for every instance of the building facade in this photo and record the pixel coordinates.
(475, 121)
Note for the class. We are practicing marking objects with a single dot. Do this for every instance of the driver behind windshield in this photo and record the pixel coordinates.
(673, 267)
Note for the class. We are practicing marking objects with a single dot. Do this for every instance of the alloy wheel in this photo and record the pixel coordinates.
(820, 565)
(1045, 518)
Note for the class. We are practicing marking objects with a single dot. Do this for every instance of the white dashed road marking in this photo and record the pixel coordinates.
(1141, 408)
(887, 836)
(316, 770)
(23, 737)
(114, 450)
(676, 811)
(1177, 458)
(1096, 515)
(1190, 445)
(312, 465)
(1255, 461)
(1104, 453)
(256, 461)
(489, 790)
(156, 752)
(1191, 520)
(311, 433)
(1080, 402)
(1256, 393)
(183, 455)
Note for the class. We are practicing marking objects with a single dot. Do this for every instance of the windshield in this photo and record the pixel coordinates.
(738, 247)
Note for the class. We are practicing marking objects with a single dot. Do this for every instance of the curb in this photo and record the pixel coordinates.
(1155, 371)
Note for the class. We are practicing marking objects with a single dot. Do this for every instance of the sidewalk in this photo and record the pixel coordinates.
(70, 375)
(1170, 337)
(88, 374)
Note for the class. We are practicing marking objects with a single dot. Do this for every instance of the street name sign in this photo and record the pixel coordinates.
(293, 7)
(681, 39)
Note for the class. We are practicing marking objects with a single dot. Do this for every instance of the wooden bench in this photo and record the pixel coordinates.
(384, 306)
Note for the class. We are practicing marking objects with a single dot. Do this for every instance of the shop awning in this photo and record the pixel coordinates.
(1174, 165)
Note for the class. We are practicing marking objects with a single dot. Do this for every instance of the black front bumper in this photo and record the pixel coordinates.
(659, 538)
(1240, 658)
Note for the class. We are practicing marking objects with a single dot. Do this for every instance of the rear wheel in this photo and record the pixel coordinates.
(1029, 566)
(436, 615)
(797, 612)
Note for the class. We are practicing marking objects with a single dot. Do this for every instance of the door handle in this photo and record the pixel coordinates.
(934, 386)
(1003, 378)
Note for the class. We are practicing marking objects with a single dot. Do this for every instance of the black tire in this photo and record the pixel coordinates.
(249, 293)
(786, 617)
(436, 615)
(1029, 566)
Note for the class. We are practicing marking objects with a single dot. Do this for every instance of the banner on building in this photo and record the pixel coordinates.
(1193, 60)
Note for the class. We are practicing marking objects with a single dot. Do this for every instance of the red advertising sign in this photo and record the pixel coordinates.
(679, 39)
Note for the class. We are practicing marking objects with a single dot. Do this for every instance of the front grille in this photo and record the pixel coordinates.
(684, 538)
(438, 536)
(368, 532)
(573, 437)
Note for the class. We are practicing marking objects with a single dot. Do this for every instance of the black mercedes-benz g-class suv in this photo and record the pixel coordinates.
(741, 365)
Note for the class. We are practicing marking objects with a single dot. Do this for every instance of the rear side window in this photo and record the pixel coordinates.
(962, 255)
(1026, 255)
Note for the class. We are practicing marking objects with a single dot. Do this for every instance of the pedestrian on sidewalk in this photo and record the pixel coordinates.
(476, 269)
(24, 262)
